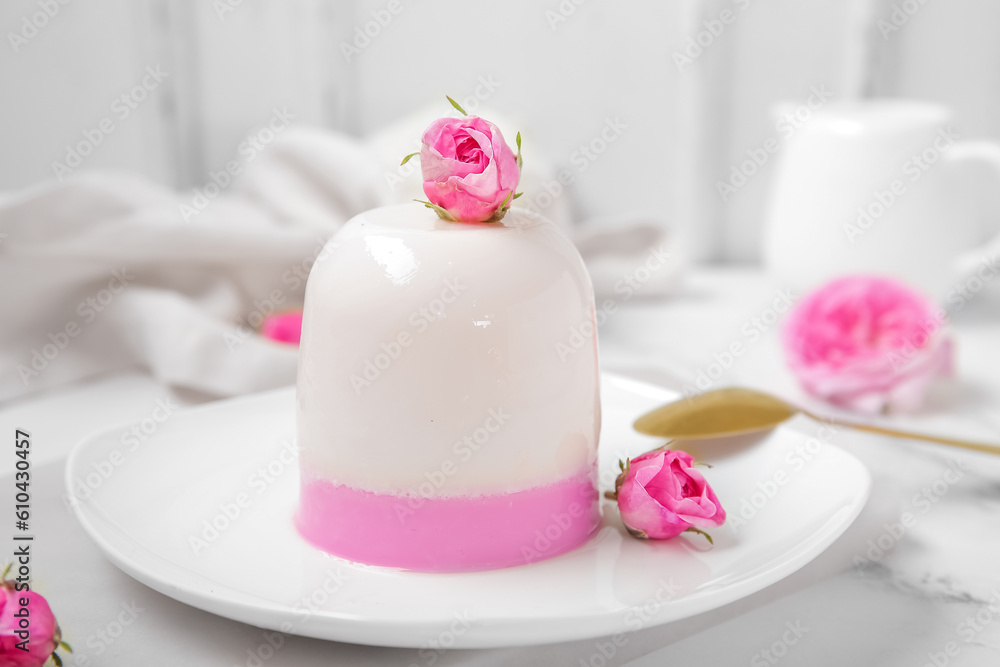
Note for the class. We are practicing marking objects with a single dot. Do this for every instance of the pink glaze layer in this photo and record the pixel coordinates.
(450, 534)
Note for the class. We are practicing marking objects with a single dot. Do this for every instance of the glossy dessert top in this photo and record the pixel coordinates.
(433, 348)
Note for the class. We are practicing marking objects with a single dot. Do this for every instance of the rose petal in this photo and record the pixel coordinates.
(468, 168)
(283, 327)
(662, 496)
(867, 344)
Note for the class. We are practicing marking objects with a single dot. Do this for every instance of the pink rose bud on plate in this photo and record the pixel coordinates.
(470, 173)
(661, 495)
(868, 344)
(283, 327)
(42, 636)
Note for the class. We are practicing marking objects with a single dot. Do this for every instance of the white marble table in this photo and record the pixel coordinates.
(932, 597)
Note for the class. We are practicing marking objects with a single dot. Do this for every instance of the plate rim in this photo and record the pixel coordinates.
(493, 633)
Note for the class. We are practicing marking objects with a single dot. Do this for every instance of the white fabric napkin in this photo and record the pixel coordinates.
(108, 270)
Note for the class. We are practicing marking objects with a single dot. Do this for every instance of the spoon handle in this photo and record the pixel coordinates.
(965, 444)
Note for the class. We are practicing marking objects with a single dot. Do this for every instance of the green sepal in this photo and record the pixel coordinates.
(708, 537)
(457, 106)
(442, 212)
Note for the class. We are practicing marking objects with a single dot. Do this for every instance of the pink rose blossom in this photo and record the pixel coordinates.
(660, 495)
(43, 635)
(867, 344)
(468, 168)
(283, 327)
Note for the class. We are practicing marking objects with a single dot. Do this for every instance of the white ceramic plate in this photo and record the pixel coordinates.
(232, 464)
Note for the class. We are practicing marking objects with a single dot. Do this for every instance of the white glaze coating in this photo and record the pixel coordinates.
(503, 349)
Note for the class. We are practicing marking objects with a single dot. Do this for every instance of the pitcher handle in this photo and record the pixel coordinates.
(988, 153)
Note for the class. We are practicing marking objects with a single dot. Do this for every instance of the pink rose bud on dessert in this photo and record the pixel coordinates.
(661, 495)
(868, 344)
(283, 327)
(469, 171)
(29, 646)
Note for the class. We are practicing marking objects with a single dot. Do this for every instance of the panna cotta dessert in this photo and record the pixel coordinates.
(448, 400)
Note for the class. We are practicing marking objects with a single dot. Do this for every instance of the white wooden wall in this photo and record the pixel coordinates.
(560, 80)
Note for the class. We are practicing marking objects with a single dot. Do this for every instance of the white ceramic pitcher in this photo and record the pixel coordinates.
(888, 187)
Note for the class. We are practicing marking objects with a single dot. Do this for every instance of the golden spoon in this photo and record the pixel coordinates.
(735, 411)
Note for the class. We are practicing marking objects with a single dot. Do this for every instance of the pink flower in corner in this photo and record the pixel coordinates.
(42, 635)
(283, 327)
(661, 495)
(468, 168)
(868, 344)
